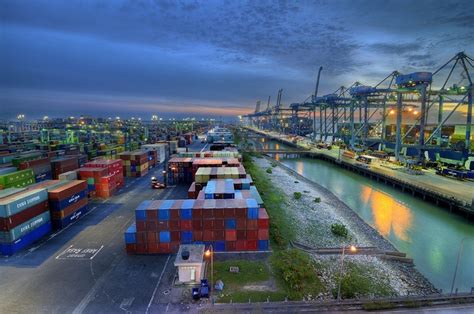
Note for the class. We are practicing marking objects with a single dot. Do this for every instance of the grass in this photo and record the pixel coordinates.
(359, 280)
(281, 229)
(297, 195)
(339, 229)
(249, 272)
(317, 200)
(269, 170)
(296, 271)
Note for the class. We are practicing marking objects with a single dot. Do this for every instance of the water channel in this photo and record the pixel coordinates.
(429, 234)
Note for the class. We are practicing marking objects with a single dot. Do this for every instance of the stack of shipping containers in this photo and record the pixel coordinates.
(135, 164)
(24, 218)
(63, 164)
(106, 176)
(226, 224)
(68, 202)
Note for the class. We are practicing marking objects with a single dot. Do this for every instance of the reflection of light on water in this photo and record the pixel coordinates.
(436, 259)
(277, 157)
(300, 167)
(277, 146)
(389, 215)
(262, 139)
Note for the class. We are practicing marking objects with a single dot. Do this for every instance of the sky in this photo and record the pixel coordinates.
(211, 58)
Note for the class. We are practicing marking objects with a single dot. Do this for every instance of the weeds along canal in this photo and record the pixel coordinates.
(431, 235)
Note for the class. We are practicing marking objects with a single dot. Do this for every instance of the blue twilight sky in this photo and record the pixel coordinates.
(135, 58)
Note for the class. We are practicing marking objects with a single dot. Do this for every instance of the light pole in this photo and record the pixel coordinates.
(210, 253)
(164, 178)
(352, 249)
(461, 246)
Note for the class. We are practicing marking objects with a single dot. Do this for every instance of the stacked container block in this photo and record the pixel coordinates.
(63, 164)
(104, 177)
(227, 224)
(135, 164)
(24, 218)
(41, 168)
(68, 202)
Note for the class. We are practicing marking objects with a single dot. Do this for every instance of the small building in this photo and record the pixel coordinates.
(190, 268)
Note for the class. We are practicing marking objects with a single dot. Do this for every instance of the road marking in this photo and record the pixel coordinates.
(79, 254)
(157, 285)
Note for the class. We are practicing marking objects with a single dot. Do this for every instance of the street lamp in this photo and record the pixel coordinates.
(352, 249)
(164, 177)
(210, 253)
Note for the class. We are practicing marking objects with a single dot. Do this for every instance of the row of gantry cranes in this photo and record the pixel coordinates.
(359, 115)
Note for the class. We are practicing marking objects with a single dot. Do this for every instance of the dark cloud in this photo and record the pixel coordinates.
(224, 53)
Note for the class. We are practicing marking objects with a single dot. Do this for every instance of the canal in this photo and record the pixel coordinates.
(429, 234)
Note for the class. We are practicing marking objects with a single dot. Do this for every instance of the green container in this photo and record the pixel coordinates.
(18, 178)
(18, 202)
(25, 157)
(90, 181)
(24, 228)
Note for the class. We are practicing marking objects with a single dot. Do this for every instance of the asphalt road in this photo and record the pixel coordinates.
(85, 268)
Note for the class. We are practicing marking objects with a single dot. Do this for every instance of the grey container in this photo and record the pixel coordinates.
(16, 203)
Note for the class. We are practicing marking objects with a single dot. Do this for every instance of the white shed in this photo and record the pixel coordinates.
(190, 269)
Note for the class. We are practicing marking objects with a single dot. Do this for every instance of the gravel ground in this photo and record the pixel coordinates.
(313, 220)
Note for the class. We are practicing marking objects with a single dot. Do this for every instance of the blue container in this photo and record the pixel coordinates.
(252, 203)
(238, 194)
(219, 246)
(91, 187)
(186, 213)
(188, 204)
(57, 206)
(66, 221)
(263, 245)
(186, 237)
(131, 234)
(208, 196)
(230, 223)
(27, 239)
(165, 236)
(140, 211)
(163, 214)
(43, 176)
(166, 204)
(412, 151)
(252, 213)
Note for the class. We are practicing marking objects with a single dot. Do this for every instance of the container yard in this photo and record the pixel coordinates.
(147, 167)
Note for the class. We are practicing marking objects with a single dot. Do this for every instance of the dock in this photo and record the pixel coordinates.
(453, 195)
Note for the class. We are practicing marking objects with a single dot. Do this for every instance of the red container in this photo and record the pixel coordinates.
(219, 224)
(252, 234)
(187, 225)
(241, 235)
(153, 248)
(197, 213)
(197, 235)
(174, 214)
(263, 219)
(131, 248)
(219, 235)
(141, 226)
(163, 225)
(151, 237)
(207, 213)
(141, 237)
(151, 226)
(175, 235)
(66, 190)
(197, 224)
(252, 245)
(241, 212)
(151, 215)
(231, 245)
(231, 235)
(229, 212)
(241, 245)
(219, 213)
(175, 225)
(252, 224)
(207, 235)
(241, 224)
(165, 248)
(142, 248)
(208, 224)
(8, 223)
(263, 234)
